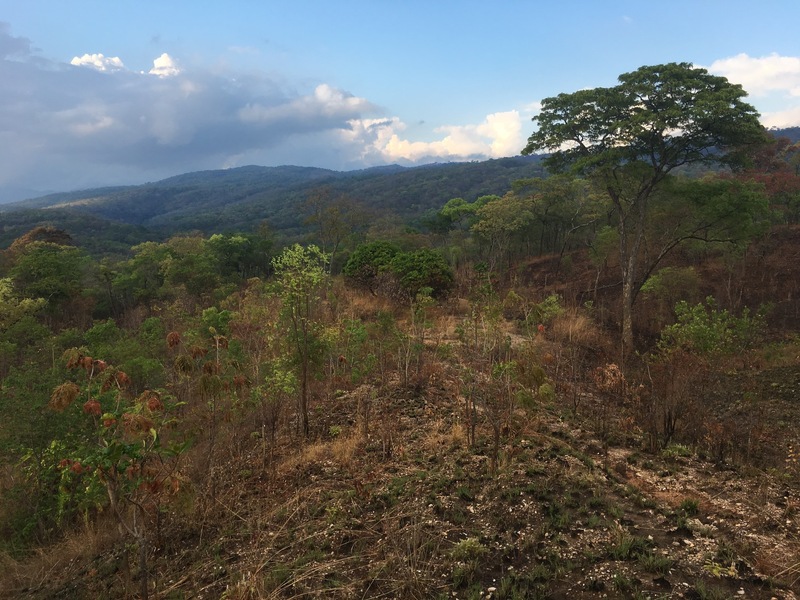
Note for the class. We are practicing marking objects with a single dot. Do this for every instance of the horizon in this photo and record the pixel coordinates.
(257, 166)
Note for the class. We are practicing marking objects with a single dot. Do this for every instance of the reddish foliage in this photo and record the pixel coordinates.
(154, 403)
(136, 424)
(92, 407)
(74, 359)
(122, 379)
(64, 395)
(173, 339)
(210, 367)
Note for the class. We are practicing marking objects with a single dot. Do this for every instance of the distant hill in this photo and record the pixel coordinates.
(238, 199)
(241, 198)
(793, 133)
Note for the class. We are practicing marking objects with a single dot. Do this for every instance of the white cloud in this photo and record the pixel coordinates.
(504, 129)
(499, 135)
(761, 76)
(87, 122)
(534, 108)
(107, 124)
(99, 62)
(773, 80)
(782, 119)
(325, 101)
(165, 66)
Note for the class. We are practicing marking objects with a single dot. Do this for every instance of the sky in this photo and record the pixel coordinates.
(119, 92)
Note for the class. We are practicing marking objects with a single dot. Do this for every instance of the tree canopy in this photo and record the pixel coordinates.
(662, 116)
(630, 137)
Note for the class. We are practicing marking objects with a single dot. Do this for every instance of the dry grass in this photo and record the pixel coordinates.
(356, 516)
(574, 327)
(309, 454)
(783, 565)
(341, 449)
(64, 560)
(361, 304)
(344, 448)
(440, 436)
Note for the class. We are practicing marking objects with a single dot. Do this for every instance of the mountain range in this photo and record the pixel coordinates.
(239, 199)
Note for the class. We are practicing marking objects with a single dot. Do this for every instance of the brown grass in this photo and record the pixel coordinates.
(442, 436)
(574, 327)
(64, 560)
(341, 449)
(784, 565)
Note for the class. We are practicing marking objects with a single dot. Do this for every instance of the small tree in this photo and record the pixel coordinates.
(334, 219)
(499, 222)
(420, 270)
(301, 276)
(126, 455)
(53, 272)
(703, 337)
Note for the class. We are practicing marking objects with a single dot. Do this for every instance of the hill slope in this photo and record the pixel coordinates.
(237, 199)
(409, 509)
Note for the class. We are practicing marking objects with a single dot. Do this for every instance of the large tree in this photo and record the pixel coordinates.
(631, 137)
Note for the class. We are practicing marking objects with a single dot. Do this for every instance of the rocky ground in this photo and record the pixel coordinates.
(410, 508)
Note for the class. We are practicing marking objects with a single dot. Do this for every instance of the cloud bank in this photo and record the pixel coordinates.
(93, 121)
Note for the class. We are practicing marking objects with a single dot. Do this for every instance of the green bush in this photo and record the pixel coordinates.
(422, 269)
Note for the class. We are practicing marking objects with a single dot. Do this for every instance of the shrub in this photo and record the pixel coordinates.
(367, 262)
(421, 269)
(705, 329)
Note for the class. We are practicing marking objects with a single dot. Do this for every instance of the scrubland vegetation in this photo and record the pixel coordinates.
(441, 408)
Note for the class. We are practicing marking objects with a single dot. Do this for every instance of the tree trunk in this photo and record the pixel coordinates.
(631, 233)
(144, 580)
(627, 310)
(304, 396)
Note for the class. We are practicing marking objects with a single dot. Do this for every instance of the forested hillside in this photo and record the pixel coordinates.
(239, 199)
(416, 383)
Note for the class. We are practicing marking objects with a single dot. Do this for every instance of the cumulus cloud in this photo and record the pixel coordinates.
(325, 103)
(165, 66)
(93, 121)
(499, 135)
(760, 76)
(770, 79)
(99, 62)
(781, 118)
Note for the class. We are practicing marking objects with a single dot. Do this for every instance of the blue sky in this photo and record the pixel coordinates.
(117, 92)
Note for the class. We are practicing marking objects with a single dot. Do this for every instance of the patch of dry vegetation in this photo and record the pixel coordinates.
(480, 448)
